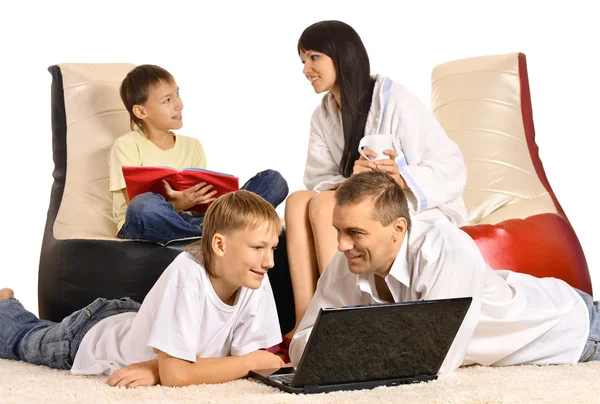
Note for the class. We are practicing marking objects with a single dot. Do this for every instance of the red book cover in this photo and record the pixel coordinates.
(139, 180)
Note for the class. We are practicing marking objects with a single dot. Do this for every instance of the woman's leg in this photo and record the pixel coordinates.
(325, 236)
(301, 252)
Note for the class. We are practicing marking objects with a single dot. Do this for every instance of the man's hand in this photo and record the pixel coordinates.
(391, 167)
(195, 195)
(260, 359)
(136, 375)
(363, 164)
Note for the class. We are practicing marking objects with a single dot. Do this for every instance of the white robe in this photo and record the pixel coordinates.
(430, 163)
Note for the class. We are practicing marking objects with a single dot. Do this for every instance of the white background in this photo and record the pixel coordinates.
(246, 98)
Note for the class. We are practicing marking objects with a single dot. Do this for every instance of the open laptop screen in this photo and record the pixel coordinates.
(379, 342)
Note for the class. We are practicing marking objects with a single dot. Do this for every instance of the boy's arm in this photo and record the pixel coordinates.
(198, 194)
(177, 372)
(123, 153)
(136, 375)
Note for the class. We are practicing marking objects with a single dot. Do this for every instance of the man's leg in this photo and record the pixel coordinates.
(270, 185)
(591, 351)
(149, 217)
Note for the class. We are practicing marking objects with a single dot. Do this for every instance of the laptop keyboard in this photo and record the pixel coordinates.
(285, 379)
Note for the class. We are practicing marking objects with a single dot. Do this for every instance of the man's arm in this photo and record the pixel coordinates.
(456, 270)
(177, 372)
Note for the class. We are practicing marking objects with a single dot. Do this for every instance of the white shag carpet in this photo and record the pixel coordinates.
(580, 383)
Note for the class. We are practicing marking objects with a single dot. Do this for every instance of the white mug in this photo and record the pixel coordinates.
(377, 143)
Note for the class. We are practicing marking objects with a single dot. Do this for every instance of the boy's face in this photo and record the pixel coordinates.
(162, 110)
(248, 255)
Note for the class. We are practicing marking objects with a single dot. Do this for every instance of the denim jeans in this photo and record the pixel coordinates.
(26, 338)
(591, 351)
(150, 218)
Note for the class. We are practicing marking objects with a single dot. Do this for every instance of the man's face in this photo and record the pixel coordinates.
(368, 245)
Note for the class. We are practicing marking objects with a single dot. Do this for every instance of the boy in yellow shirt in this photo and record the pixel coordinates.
(151, 96)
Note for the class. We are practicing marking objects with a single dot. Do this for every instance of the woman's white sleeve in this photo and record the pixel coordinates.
(432, 165)
(322, 172)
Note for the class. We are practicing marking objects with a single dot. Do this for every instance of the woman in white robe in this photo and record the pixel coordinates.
(424, 161)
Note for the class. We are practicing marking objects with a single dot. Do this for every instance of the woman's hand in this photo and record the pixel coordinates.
(391, 167)
(363, 164)
(136, 375)
(195, 195)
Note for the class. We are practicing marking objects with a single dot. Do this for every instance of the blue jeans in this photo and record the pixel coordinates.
(26, 338)
(591, 351)
(150, 218)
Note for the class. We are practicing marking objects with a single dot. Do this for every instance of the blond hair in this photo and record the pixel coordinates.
(239, 210)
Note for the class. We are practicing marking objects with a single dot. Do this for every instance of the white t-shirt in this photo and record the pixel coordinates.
(183, 317)
(514, 318)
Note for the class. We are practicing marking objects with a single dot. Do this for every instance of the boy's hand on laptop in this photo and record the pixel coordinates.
(195, 195)
(258, 360)
(136, 375)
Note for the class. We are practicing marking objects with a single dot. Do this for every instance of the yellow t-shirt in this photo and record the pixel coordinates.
(134, 149)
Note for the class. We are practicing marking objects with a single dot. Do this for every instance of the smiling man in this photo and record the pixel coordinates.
(514, 318)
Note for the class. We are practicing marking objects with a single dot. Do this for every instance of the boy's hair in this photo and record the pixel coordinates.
(136, 86)
(389, 201)
(239, 210)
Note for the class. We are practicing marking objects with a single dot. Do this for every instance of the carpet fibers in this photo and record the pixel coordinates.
(580, 383)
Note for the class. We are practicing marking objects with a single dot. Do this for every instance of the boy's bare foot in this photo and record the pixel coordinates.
(6, 293)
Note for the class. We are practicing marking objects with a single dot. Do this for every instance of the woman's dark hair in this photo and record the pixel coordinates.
(342, 44)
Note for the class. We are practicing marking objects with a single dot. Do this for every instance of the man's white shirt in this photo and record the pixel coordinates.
(513, 319)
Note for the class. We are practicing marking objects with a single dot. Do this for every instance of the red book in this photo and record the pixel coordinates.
(140, 180)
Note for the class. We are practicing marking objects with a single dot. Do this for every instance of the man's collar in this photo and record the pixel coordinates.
(400, 271)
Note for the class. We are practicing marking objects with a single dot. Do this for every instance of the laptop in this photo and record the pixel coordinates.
(366, 346)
